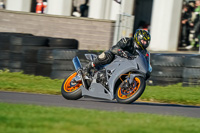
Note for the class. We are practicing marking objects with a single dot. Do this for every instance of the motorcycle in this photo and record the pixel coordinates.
(124, 79)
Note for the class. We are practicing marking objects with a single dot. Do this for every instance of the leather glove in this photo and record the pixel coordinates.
(122, 53)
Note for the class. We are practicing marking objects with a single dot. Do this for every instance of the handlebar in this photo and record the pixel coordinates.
(127, 55)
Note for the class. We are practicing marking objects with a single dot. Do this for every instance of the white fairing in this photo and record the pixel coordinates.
(90, 57)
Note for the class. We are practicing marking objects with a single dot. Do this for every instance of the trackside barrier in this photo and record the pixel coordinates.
(52, 57)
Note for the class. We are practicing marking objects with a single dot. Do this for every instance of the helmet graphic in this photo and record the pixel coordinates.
(142, 38)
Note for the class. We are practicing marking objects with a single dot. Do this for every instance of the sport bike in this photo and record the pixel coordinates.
(124, 79)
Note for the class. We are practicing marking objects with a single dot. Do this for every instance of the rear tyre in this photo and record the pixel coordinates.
(69, 91)
(130, 94)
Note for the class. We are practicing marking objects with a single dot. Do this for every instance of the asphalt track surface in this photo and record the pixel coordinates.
(89, 103)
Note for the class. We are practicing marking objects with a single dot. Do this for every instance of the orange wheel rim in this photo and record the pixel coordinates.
(131, 93)
(67, 86)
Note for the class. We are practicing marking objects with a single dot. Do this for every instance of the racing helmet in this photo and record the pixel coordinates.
(142, 38)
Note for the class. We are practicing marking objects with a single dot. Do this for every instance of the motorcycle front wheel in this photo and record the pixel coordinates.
(130, 93)
(69, 90)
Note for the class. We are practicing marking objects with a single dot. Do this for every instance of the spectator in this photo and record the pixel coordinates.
(84, 9)
(41, 6)
(2, 5)
(197, 12)
(144, 25)
(197, 22)
(185, 25)
(75, 12)
(44, 7)
(195, 26)
(80, 8)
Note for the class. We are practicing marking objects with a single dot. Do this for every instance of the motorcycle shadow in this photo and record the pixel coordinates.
(138, 103)
(165, 104)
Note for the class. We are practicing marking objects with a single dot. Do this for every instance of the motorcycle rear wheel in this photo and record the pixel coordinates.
(128, 96)
(71, 92)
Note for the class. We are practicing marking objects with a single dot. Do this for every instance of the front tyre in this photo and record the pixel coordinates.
(70, 90)
(128, 93)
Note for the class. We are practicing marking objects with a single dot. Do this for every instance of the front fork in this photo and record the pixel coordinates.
(79, 70)
(80, 73)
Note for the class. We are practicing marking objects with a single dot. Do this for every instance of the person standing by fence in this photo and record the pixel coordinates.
(41, 6)
(185, 27)
(197, 24)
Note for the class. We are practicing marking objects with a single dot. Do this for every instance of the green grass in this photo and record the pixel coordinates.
(20, 82)
(173, 94)
(41, 119)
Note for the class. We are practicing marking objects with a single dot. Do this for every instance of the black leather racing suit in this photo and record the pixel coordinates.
(125, 44)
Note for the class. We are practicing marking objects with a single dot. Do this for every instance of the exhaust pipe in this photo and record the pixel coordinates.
(77, 63)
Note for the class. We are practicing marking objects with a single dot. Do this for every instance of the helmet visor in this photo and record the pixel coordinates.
(145, 43)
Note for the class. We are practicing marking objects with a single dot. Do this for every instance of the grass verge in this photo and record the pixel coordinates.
(20, 82)
(40, 119)
(172, 94)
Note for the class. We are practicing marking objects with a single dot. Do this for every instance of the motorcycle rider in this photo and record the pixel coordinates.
(124, 48)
